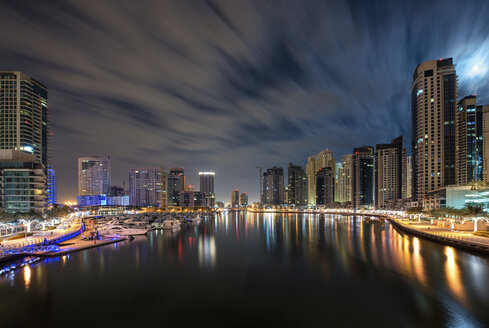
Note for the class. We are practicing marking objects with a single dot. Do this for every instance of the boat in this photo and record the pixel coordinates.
(170, 224)
(195, 219)
(122, 231)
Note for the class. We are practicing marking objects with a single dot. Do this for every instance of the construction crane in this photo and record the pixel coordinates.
(261, 184)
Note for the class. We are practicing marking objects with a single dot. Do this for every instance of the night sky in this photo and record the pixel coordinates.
(226, 86)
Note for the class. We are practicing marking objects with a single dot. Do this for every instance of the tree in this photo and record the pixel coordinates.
(415, 210)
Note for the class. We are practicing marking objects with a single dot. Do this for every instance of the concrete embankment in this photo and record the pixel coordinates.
(449, 241)
(78, 244)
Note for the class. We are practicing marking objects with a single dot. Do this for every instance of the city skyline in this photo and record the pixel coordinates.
(82, 94)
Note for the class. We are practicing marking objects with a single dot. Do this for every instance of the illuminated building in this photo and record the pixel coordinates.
(206, 180)
(325, 186)
(297, 186)
(343, 188)
(273, 186)
(433, 100)
(147, 187)
(390, 173)
(363, 177)
(22, 183)
(243, 199)
(235, 198)
(485, 143)
(409, 174)
(24, 115)
(192, 199)
(324, 158)
(52, 190)
(94, 175)
(175, 184)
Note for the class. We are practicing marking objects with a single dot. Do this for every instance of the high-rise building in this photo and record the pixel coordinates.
(175, 184)
(273, 186)
(24, 115)
(325, 186)
(190, 198)
(207, 187)
(344, 185)
(433, 100)
(297, 186)
(468, 131)
(235, 198)
(363, 177)
(243, 199)
(409, 175)
(311, 180)
(390, 173)
(22, 183)
(52, 190)
(94, 175)
(485, 143)
(146, 188)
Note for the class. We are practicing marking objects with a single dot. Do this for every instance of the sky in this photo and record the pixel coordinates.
(227, 86)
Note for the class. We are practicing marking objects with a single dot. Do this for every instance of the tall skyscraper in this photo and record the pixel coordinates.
(297, 186)
(146, 186)
(273, 186)
(390, 173)
(409, 175)
(52, 190)
(363, 177)
(206, 182)
(325, 186)
(433, 100)
(235, 198)
(345, 179)
(485, 143)
(94, 175)
(24, 115)
(243, 199)
(175, 184)
(311, 180)
(468, 130)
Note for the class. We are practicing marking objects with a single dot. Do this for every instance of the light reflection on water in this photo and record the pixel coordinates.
(338, 259)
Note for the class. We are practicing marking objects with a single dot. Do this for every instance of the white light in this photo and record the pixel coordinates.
(206, 173)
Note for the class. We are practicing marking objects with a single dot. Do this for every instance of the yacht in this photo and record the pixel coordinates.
(171, 224)
(121, 230)
(195, 219)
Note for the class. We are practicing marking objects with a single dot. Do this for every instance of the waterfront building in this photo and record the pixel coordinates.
(235, 198)
(243, 199)
(24, 115)
(433, 100)
(190, 198)
(51, 189)
(409, 175)
(325, 186)
(344, 186)
(363, 177)
(117, 191)
(146, 186)
(273, 186)
(297, 186)
(94, 175)
(207, 182)
(485, 143)
(390, 173)
(311, 180)
(22, 183)
(175, 184)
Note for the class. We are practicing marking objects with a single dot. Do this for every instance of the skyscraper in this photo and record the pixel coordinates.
(433, 100)
(52, 190)
(243, 199)
(324, 158)
(235, 198)
(146, 186)
(94, 175)
(468, 130)
(325, 186)
(390, 173)
(273, 186)
(175, 184)
(207, 187)
(485, 143)
(297, 186)
(363, 177)
(409, 175)
(24, 115)
(345, 179)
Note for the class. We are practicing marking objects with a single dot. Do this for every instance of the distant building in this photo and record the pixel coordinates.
(324, 158)
(344, 186)
(363, 177)
(192, 199)
(22, 183)
(117, 191)
(94, 175)
(468, 131)
(175, 184)
(243, 199)
(235, 198)
(206, 180)
(273, 186)
(297, 186)
(433, 101)
(390, 173)
(409, 175)
(146, 186)
(325, 186)
(52, 190)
